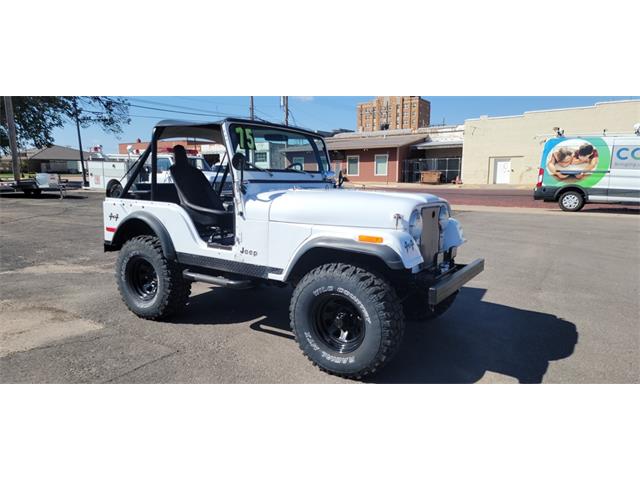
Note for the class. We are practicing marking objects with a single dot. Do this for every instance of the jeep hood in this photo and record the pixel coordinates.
(344, 208)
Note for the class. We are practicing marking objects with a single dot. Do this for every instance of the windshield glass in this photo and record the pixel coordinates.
(164, 164)
(272, 149)
(199, 163)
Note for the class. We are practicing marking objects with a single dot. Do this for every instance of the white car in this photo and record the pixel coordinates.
(360, 261)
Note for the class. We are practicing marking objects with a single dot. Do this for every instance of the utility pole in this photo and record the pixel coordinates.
(286, 110)
(84, 171)
(13, 143)
(252, 113)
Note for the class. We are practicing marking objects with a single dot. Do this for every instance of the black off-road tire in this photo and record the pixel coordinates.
(172, 290)
(416, 307)
(571, 201)
(372, 300)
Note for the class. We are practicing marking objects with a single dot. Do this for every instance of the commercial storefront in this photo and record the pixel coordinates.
(398, 155)
(375, 158)
(441, 153)
(507, 150)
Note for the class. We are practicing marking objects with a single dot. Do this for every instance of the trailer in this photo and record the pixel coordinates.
(42, 182)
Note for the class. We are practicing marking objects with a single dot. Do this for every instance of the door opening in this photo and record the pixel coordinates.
(502, 170)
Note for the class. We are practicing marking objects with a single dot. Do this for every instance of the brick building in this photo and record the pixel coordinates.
(371, 158)
(392, 113)
(398, 155)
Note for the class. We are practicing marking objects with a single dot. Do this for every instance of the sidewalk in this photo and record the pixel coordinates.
(444, 186)
(593, 211)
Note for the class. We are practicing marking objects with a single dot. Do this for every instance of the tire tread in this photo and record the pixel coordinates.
(175, 296)
(388, 307)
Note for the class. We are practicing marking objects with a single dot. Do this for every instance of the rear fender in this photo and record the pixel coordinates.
(575, 188)
(140, 223)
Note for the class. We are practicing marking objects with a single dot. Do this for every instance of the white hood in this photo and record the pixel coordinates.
(342, 207)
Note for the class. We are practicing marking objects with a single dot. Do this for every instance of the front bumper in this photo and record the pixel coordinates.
(449, 283)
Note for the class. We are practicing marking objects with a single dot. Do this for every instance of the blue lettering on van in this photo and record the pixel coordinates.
(626, 157)
(620, 151)
(635, 153)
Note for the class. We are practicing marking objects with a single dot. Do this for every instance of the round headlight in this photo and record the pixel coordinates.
(415, 225)
(443, 217)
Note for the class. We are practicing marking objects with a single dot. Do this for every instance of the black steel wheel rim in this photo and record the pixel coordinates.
(338, 323)
(142, 278)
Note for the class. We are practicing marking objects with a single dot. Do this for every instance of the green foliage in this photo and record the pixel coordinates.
(36, 117)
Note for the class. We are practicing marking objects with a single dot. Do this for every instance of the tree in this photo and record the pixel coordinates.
(36, 117)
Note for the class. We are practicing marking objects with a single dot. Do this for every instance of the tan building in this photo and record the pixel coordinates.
(507, 149)
(393, 113)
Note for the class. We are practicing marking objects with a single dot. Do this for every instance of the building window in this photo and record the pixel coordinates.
(381, 163)
(353, 165)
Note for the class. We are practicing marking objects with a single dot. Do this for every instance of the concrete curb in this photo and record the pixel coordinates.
(446, 186)
(630, 213)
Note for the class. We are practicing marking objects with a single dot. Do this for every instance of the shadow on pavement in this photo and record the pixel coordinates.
(622, 210)
(42, 196)
(473, 337)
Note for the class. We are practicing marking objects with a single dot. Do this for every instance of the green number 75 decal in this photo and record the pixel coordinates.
(245, 138)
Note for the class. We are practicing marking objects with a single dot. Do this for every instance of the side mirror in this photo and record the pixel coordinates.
(238, 161)
(340, 179)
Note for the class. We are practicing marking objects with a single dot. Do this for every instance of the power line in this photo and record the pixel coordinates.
(194, 100)
(219, 114)
(163, 104)
(207, 114)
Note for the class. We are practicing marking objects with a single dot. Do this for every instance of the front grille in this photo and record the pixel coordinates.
(430, 239)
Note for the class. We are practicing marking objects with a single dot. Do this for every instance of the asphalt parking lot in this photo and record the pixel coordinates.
(559, 302)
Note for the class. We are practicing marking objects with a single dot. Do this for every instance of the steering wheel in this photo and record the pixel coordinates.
(295, 166)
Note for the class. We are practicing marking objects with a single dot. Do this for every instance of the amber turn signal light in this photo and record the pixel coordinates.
(369, 239)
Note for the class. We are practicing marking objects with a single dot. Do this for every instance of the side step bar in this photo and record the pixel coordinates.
(220, 281)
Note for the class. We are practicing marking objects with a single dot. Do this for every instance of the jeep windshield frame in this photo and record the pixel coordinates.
(271, 148)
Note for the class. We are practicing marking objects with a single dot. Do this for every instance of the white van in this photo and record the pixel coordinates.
(579, 170)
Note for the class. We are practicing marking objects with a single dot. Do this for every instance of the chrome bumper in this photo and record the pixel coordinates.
(453, 280)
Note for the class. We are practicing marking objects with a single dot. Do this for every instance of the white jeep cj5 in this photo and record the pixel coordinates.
(360, 262)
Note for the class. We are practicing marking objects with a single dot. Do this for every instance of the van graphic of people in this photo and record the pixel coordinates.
(571, 164)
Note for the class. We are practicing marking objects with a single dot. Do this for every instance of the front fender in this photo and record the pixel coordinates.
(398, 251)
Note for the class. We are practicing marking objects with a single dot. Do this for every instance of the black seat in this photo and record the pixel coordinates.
(196, 195)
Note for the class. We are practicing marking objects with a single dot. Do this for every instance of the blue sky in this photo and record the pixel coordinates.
(317, 113)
